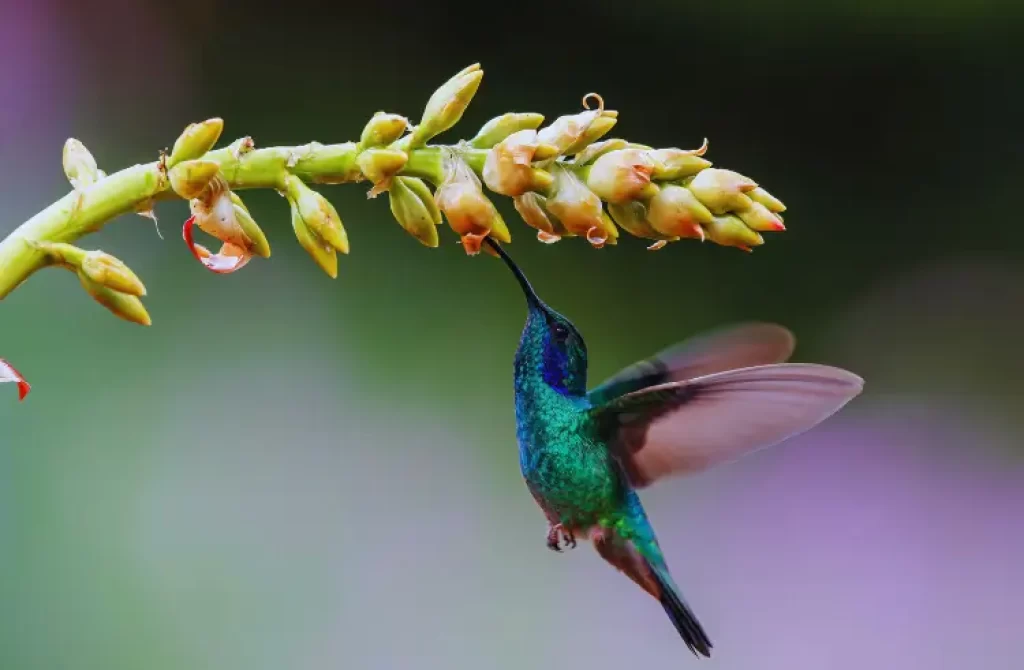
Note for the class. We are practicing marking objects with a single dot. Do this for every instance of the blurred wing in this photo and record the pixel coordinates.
(689, 426)
(740, 346)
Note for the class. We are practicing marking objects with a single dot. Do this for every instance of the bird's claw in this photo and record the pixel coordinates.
(559, 533)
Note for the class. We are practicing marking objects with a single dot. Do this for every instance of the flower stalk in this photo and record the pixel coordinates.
(564, 178)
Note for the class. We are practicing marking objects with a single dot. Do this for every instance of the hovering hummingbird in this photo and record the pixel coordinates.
(707, 401)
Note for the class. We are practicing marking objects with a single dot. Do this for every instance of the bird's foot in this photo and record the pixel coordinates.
(558, 534)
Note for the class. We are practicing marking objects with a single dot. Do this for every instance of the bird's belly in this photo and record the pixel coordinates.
(576, 483)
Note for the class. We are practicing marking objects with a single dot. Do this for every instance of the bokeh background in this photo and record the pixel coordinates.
(291, 472)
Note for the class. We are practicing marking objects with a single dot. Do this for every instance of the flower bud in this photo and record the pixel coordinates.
(447, 105)
(190, 178)
(323, 253)
(633, 217)
(123, 305)
(573, 130)
(500, 127)
(621, 175)
(760, 218)
(318, 213)
(678, 163)
(222, 214)
(508, 170)
(722, 191)
(9, 374)
(600, 127)
(578, 209)
(413, 206)
(111, 272)
(532, 207)
(383, 129)
(730, 231)
(676, 211)
(195, 141)
(79, 165)
(469, 212)
(767, 199)
(598, 149)
(380, 165)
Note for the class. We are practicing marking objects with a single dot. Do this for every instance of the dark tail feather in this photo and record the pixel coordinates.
(681, 615)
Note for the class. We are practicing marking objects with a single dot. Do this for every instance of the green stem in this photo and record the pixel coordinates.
(135, 188)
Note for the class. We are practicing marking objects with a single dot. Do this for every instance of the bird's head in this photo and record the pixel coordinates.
(550, 346)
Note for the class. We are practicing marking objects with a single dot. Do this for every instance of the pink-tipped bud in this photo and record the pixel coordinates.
(760, 218)
(508, 169)
(730, 231)
(575, 206)
(675, 211)
(469, 212)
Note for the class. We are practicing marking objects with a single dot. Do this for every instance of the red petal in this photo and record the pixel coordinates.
(9, 374)
(230, 258)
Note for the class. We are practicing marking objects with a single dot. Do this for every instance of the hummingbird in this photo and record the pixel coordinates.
(708, 400)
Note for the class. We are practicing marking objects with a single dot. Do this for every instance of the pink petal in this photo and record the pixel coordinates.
(9, 374)
(229, 259)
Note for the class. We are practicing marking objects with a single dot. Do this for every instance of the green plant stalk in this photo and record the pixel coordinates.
(560, 177)
(135, 188)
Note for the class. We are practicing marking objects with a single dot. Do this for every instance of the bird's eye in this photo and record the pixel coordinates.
(561, 332)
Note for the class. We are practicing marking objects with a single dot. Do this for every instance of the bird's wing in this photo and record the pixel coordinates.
(689, 426)
(738, 346)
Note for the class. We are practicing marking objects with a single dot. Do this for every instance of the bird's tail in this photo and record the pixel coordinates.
(680, 613)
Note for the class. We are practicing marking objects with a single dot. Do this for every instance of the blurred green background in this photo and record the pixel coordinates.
(291, 472)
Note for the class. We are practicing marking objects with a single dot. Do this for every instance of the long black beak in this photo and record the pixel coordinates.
(531, 296)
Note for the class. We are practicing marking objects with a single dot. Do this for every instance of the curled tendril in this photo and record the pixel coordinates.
(600, 101)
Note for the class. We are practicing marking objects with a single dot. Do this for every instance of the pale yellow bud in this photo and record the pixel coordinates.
(621, 175)
(111, 272)
(573, 131)
(195, 141)
(508, 170)
(767, 199)
(722, 191)
(678, 163)
(190, 178)
(79, 165)
(383, 129)
(676, 211)
(447, 105)
(323, 253)
(500, 127)
(730, 231)
(379, 165)
(598, 149)
(123, 305)
(600, 127)
(414, 208)
(318, 213)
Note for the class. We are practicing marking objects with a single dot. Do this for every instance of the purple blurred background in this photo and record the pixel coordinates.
(289, 472)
